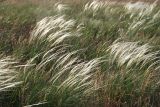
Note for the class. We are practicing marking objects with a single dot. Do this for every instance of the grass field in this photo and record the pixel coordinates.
(79, 54)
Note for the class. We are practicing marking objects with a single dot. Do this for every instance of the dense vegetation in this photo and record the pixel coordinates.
(86, 54)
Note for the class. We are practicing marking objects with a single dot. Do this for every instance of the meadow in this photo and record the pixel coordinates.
(79, 54)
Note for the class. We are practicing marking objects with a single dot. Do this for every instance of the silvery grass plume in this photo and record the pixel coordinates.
(38, 104)
(140, 7)
(78, 73)
(60, 67)
(144, 20)
(56, 29)
(80, 77)
(61, 7)
(65, 71)
(137, 6)
(95, 5)
(133, 54)
(7, 74)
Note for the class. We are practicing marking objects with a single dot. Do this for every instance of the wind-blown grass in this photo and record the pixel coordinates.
(130, 53)
(7, 74)
(69, 78)
(96, 54)
(62, 29)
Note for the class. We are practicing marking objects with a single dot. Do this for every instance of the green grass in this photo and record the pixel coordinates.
(74, 56)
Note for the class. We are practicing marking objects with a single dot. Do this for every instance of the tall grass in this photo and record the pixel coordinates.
(7, 74)
(97, 54)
